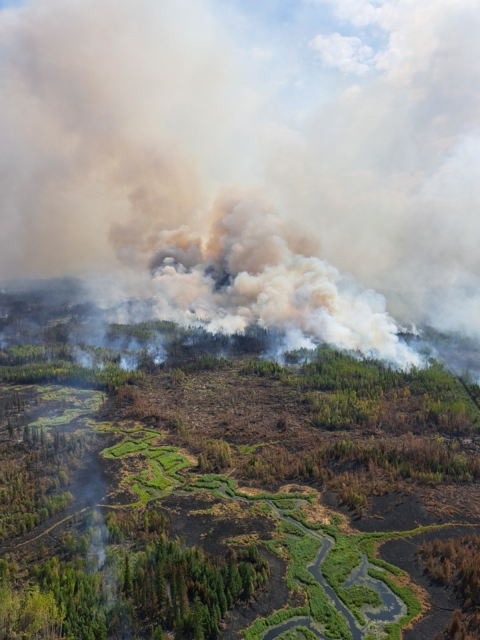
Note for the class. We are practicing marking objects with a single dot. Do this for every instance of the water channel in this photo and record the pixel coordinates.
(391, 609)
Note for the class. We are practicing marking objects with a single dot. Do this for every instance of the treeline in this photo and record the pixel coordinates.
(31, 354)
(151, 592)
(188, 592)
(423, 461)
(189, 348)
(343, 392)
(456, 563)
(12, 406)
(144, 333)
(215, 456)
(111, 377)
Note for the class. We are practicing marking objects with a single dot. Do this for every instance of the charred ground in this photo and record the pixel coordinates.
(391, 451)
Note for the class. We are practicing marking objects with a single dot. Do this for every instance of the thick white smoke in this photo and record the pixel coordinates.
(255, 270)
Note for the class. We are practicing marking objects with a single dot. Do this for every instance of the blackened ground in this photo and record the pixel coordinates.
(210, 522)
(397, 512)
(403, 553)
(201, 520)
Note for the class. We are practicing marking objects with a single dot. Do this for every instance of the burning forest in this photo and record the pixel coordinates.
(239, 338)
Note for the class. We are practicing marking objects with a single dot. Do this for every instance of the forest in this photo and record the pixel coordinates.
(155, 585)
(154, 479)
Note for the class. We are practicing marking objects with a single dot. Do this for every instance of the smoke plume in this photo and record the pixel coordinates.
(124, 123)
(254, 268)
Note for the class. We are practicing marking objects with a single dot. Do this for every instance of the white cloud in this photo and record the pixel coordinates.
(346, 53)
(359, 12)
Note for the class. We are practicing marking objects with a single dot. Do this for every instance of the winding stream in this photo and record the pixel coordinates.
(391, 609)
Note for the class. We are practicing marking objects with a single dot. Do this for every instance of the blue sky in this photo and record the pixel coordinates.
(296, 43)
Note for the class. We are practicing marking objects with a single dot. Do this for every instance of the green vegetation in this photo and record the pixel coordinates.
(33, 487)
(125, 448)
(158, 586)
(406, 428)
(414, 608)
(300, 549)
(246, 449)
(322, 612)
(164, 463)
(64, 372)
(343, 391)
(306, 633)
(259, 627)
(29, 614)
(37, 463)
(229, 486)
(146, 332)
(29, 354)
(216, 456)
(341, 560)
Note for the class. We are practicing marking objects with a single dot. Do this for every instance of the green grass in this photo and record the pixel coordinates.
(260, 626)
(172, 463)
(324, 613)
(277, 498)
(288, 527)
(307, 634)
(368, 548)
(341, 560)
(82, 404)
(164, 462)
(125, 448)
(358, 596)
(263, 508)
(301, 551)
(297, 515)
(296, 544)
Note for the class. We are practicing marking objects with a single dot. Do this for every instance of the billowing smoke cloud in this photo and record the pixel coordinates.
(254, 268)
(122, 121)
